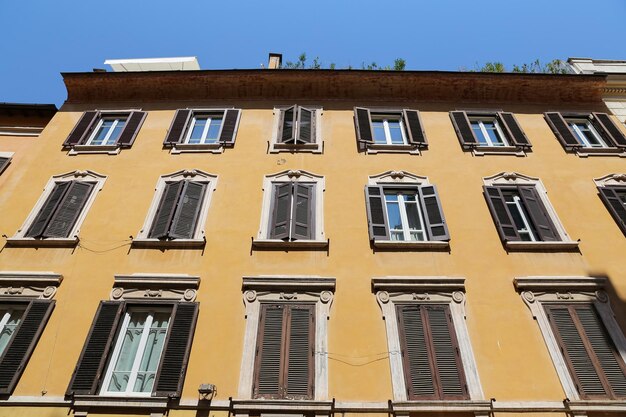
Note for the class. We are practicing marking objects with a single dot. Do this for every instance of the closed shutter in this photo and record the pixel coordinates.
(376, 212)
(69, 209)
(302, 216)
(463, 129)
(79, 134)
(299, 348)
(539, 215)
(418, 372)
(269, 353)
(229, 127)
(287, 125)
(177, 129)
(188, 210)
(615, 205)
(562, 131)
(415, 128)
(364, 130)
(47, 210)
(306, 125)
(516, 134)
(281, 211)
(173, 366)
(93, 358)
(23, 342)
(500, 213)
(165, 212)
(608, 129)
(4, 162)
(133, 124)
(433, 213)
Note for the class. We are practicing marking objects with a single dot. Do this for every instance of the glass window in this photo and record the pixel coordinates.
(488, 132)
(107, 131)
(388, 131)
(405, 216)
(585, 133)
(519, 213)
(204, 129)
(10, 317)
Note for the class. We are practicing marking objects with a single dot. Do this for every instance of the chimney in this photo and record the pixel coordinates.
(275, 61)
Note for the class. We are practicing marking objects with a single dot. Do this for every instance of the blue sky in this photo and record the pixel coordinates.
(43, 38)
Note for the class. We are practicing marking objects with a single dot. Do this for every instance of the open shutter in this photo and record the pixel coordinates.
(415, 128)
(93, 358)
(133, 123)
(539, 215)
(302, 216)
(605, 125)
(165, 212)
(229, 126)
(516, 134)
(500, 213)
(287, 125)
(71, 206)
(562, 131)
(306, 125)
(173, 366)
(281, 211)
(364, 130)
(45, 213)
(418, 374)
(4, 162)
(376, 212)
(269, 353)
(84, 126)
(463, 129)
(21, 346)
(177, 129)
(186, 218)
(615, 206)
(300, 347)
(433, 213)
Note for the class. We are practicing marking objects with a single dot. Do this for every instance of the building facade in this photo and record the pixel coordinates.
(295, 242)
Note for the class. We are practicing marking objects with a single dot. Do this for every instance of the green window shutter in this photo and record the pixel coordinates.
(4, 162)
(300, 349)
(69, 209)
(167, 207)
(615, 205)
(539, 214)
(176, 133)
(280, 212)
(302, 216)
(269, 367)
(42, 219)
(364, 130)
(433, 213)
(516, 134)
(562, 131)
(500, 213)
(418, 372)
(463, 129)
(230, 123)
(376, 212)
(306, 125)
(287, 125)
(414, 127)
(83, 128)
(185, 220)
(131, 129)
(609, 130)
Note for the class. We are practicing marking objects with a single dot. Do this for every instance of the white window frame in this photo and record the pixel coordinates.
(205, 131)
(517, 201)
(483, 129)
(582, 138)
(4, 319)
(274, 146)
(404, 218)
(116, 120)
(216, 147)
(385, 119)
(112, 149)
(198, 239)
(84, 176)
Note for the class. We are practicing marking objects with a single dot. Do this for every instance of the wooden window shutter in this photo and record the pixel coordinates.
(42, 219)
(69, 209)
(281, 211)
(433, 213)
(269, 366)
(516, 134)
(562, 131)
(463, 129)
(178, 127)
(609, 130)
(303, 216)
(287, 125)
(306, 125)
(614, 204)
(414, 127)
(93, 358)
(300, 350)
(4, 162)
(173, 366)
(84, 126)
(539, 214)
(167, 207)
(133, 124)
(230, 122)
(500, 213)
(186, 218)
(376, 212)
(364, 130)
(23, 342)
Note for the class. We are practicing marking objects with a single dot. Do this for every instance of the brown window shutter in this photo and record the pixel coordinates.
(4, 162)
(306, 125)
(433, 213)
(364, 130)
(300, 348)
(287, 125)
(167, 207)
(177, 130)
(463, 129)
(186, 218)
(230, 123)
(42, 219)
(562, 131)
(68, 210)
(614, 204)
(173, 366)
(93, 358)
(133, 124)
(82, 129)
(281, 211)
(414, 127)
(516, 134)
(608, 129)
(376, 212)
(539, 214)
(500, 213)
(302, 216)
(269, 366)
(23, 342)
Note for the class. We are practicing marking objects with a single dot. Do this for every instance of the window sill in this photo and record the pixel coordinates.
(197, 148)
(285, 244)
(65, 242)
(587, 152)
(539, 246)
(410, 149)
(168, 244)
(95, 149)
(85, 401)
(282, 405)
(434, 406)
(303, 147)
(498, 150)
(417, 245)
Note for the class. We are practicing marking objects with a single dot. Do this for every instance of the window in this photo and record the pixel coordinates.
(104, 131)
(586, 133)
(179, 209)
(612, 190)
(488, 132)
(404, 208)
(195, 130)
(389, 130)
(297, 128)
(5, 160)
(61, 209)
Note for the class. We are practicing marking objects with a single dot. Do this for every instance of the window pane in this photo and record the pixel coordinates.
(492, 131)
(116, 132)
(214, 130)
(102, 131)
(128, 353)
(415, 222)
(395, 221)
(395, 132)
(10, 318)
(478, 132)
(197, 130)
(379, 131)
(152, 353)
